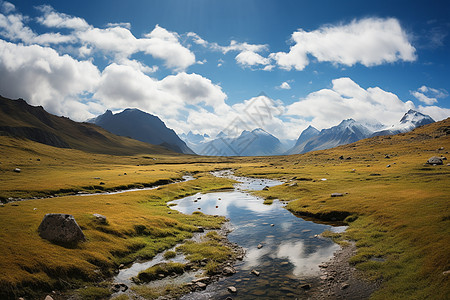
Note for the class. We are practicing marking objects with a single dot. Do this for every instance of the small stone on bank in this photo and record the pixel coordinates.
(232, 289)
(434, 161)
(337, 195)
(254, 272)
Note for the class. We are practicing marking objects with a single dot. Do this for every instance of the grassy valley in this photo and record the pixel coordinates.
(396, 207)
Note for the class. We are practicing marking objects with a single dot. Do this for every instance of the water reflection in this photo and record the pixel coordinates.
(290, 252)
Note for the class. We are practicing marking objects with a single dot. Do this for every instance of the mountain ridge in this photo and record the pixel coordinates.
(21, 120)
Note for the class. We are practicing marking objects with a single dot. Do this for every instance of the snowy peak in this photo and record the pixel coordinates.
(412, 119)
(416, 118)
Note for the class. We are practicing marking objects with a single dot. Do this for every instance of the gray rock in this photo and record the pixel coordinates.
(60, 228)
(254, 272)
(48, 297)
(266, 188)
(259, 246)
(337, 195)
(17, 170)
(232, 289)
(100, 218)
(434, 161)
(200, 285)
(228, 271)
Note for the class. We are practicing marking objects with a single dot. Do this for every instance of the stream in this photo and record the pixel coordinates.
(286, 250)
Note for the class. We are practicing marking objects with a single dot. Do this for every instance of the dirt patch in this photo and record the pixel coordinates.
(340, 280)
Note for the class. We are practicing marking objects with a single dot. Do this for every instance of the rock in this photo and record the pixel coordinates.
(434, 161)
(119, 287)
(446, 273)
(344, 286)
(388, 166)
(201, 285)
(341, 157)
(254, 272)
(17, 170)
(100, 218)
(228, 271)
(169, 212)
(201, 279)
(348, 158)
(232, 289)
(337, 195)
(387, 156)
(259, 246)
(48, 297)
(266, 188)
(97, 178)
(272, 225)
(293, 184)
(60, 228)
(443, 158)
(102, 183)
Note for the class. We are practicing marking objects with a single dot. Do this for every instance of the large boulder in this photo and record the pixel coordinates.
(435, 161)
(61, 228)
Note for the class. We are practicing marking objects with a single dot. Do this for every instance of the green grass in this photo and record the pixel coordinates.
(170, 254)
(210, 250)
(160, 271)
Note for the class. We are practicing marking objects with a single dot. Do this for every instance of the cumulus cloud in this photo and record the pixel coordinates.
(429, 95)
(248, 58)
(7, 7)
(44, 77)
(284, 86)
(115, 40)
(370, 42)
(122, 86)
(52, 18)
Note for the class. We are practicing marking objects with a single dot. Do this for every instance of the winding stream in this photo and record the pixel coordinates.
(291, 249)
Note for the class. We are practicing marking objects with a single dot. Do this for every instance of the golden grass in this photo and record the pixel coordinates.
(398, 214)
(139, 226)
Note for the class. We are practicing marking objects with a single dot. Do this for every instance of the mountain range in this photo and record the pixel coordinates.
(133, 131)
(143, 127)
(259, 142)
(21, 120)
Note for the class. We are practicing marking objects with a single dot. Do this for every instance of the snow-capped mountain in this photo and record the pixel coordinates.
(141, 126)
(304, 137)
(350, 131)
(257, 142)
(412, 119)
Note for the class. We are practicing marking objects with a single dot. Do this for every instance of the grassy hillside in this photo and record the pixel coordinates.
(18, 119)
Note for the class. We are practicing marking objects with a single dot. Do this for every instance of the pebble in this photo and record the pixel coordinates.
(259, 246)
(201, 285)
(232, 289)
(254, 272)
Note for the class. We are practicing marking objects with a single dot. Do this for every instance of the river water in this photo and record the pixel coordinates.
(291, 249)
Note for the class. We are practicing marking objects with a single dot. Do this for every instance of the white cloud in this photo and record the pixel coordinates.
(346, 99)
(284, 86)
(7, 7)
(436, 112)
(370, 42)
(122, 86)
(43, 77)
(429, 95)
(115, 40)
(421, 97)
(163, 44)
(52, 18)
(248, 58)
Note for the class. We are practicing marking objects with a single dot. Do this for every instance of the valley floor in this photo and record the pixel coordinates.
(396, 206)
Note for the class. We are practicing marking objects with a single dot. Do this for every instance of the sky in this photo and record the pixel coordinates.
(208, 66)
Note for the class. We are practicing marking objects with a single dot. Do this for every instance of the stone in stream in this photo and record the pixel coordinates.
(232, 289)
(259, 246)
(254, 272)
(60, 228)
(228, 271)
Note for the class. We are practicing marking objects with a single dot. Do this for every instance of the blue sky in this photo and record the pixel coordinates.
(200, 65)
